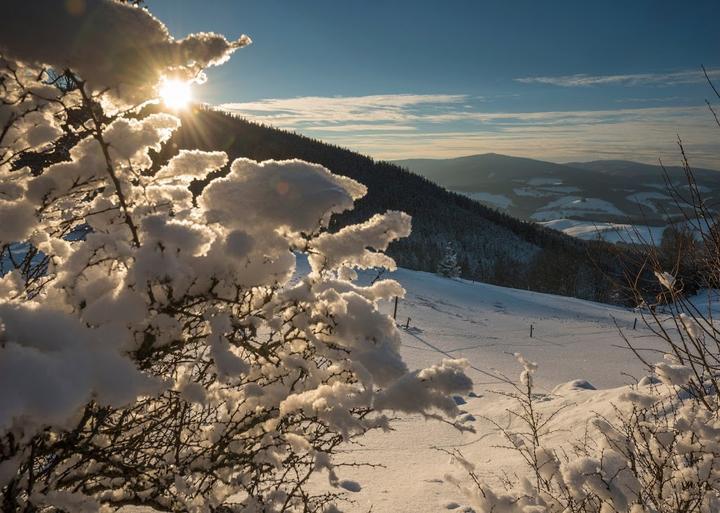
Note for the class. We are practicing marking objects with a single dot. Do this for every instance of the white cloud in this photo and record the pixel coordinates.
(639, 136)
(436, 125)
(364, 128)
(386, 108)
(634, 79)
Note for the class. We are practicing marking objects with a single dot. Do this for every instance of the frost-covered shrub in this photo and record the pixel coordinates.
(660, 450)
(659, 453)
(173, 355)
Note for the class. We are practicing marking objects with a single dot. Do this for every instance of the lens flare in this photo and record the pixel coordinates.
(175, 94)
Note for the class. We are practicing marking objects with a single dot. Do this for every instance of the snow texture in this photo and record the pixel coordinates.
(124, 47)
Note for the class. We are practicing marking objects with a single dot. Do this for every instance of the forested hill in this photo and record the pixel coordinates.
(491, 246)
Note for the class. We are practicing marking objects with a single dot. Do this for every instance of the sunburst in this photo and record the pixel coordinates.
(176, 94)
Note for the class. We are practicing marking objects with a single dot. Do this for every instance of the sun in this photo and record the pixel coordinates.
(175, 94)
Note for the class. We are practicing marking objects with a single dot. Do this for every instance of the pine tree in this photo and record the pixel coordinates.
(448, 266)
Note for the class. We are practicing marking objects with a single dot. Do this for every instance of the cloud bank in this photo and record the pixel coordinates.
(409, 126)
(361, 110)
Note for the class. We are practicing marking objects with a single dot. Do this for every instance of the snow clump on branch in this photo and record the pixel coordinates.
(159, 347)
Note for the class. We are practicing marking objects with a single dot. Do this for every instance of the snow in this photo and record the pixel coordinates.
(134, 34)
(484, 323)
(562, 189)
(703, 189)
(544, 181)
(52, 364)
(531, 192)
(496, 200)
(545, 191)
(577, 349)
(574, 205)
(204, 279)
(610, 232)
(164, 273)
(646, 199)
(575, 344)
(657, 185)
(708, 300)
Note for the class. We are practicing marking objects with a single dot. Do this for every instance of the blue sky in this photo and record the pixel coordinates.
(558, 80)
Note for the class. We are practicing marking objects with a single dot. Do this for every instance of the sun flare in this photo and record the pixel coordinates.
(175, 94)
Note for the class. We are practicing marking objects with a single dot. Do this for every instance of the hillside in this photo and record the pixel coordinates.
(492, 246)
(572, 340)
(603, 191)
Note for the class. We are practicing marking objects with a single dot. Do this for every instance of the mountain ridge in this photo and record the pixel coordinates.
(616, 191)
(573, 164)
(492, 246)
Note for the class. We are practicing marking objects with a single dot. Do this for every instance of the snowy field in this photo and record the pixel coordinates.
(499, 201)
(646, 199)
(452, 318)
(609, 232)
(485, 324)
(575, 205)
(572, 339)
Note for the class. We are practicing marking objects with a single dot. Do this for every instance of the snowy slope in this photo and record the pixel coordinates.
(451, 318)
(486, 323)
(610, 232)
(572, 339)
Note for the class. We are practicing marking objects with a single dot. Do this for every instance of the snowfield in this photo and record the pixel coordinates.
(584, 367)
(531, 192)
(609, 232)
(544, 181)
(645, 199)
(574, 205)
(572, 340)
(494, 200)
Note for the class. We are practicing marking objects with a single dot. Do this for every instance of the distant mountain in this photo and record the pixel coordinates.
(603, 191)
(492, 246)
(628, 168)
(475, 171)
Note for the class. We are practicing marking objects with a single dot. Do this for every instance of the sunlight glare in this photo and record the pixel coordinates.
(175, 94)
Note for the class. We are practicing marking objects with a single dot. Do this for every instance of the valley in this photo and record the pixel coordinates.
(613, 200)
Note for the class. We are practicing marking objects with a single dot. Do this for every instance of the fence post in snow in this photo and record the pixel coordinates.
(635, 323)
(407, 324)
(531, 331)
(395, 309)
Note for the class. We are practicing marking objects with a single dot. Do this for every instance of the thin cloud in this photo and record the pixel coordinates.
(364, 128)
(664, 99)
(639, 140)
(388, 108)
(635, 79)
(436, 125)
(403, 112)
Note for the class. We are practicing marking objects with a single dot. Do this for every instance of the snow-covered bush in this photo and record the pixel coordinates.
(660, 450)
(164, 349)
(659, 453)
